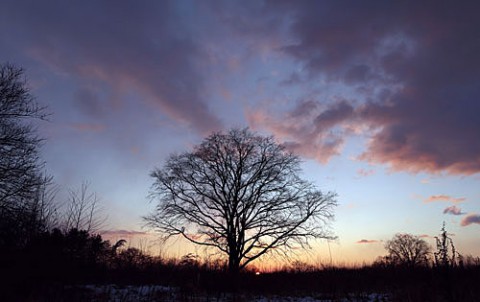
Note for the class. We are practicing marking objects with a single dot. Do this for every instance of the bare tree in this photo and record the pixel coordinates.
(83, 211)
(240, 193)
(21, 175)
(446, 255)
(408, 250)
(19, 162)
(41, 209)
(46, 204)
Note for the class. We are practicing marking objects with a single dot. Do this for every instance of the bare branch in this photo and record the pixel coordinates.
(82, 211)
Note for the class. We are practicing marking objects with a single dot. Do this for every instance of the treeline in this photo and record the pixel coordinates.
(57, 266)
(71, 257)
(52, 262)
(40, 238)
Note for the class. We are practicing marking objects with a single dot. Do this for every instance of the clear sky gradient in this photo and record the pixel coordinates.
(380, 98)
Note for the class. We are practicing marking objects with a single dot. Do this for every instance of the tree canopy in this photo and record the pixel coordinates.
(408, 250)
(242, 194)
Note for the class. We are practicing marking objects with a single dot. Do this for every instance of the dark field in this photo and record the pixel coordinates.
(133, 276)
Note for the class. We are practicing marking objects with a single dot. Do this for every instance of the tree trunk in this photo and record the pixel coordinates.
(233, 273)
(233, 264)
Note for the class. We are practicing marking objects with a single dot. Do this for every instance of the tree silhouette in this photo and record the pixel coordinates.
(240, 193)
(408, 250)
(22, 183)
(446, 254)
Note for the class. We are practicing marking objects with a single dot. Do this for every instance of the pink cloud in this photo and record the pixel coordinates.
(421, 113)
(445, 198)
(365, 173)
(367, 241)
(453, 210)
(307, 130)
(472, 218)
(112, 233)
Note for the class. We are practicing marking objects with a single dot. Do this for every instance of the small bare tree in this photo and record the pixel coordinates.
(83, 211)
(43, 207)
(446, 254)
(240, 193)
(408, 250)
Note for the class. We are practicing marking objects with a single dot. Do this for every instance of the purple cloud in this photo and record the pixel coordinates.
(417, 74)
(89, 103)
(453, 210)
(122, 233)
(367, 241)
(147, 49)
(403, 74)
(308, 128)
(470, 219)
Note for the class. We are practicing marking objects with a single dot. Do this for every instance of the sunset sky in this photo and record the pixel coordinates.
(380, 98)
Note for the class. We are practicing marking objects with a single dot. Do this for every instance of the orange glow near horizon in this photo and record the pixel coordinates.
(323, 254)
